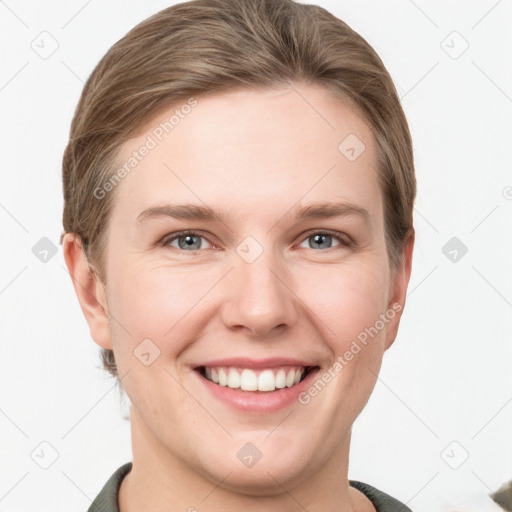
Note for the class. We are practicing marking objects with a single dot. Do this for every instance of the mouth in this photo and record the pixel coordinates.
(264, 380)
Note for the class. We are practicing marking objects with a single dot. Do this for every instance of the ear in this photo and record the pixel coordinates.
(398, 290)
(89, 289)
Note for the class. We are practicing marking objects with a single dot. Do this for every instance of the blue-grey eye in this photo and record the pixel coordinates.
(322, 240)
(186, 241)
(189, 242)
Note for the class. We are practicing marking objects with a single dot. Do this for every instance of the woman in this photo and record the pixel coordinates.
(239, 185)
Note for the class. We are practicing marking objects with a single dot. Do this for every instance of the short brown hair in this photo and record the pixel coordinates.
(203, 46)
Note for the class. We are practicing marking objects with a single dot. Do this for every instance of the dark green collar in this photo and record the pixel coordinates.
(106, 501)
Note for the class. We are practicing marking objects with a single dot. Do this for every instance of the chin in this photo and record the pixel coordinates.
(277, 467)
(260, 480)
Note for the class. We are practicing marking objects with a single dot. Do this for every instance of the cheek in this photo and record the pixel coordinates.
(156, 303)
(163, 303)
(350, 308)
(346, 300)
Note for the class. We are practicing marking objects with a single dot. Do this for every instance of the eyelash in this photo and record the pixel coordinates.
(344, 240)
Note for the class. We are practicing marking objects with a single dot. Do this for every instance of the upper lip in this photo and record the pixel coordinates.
(245, 362)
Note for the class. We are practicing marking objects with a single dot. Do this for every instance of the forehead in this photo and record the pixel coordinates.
(244, 149)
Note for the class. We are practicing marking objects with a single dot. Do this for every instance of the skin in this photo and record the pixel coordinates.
(255, 155)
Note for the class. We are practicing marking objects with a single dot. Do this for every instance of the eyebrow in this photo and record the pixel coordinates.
(205, 213)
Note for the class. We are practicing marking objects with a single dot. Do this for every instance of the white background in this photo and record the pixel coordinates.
(447, 377)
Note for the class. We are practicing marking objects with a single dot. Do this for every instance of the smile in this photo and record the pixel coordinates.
(247, 379)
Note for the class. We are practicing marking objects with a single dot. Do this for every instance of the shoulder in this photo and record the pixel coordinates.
(380, 500)
(106, 501)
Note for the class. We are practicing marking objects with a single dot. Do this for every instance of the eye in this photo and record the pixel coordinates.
(187, 240)
(323, 240)
(190, 241)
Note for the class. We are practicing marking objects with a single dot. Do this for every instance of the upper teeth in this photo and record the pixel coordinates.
(249, 380)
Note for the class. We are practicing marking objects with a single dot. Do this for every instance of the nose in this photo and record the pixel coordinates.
(258, 297)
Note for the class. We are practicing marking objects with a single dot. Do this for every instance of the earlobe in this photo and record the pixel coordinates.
(398, 291)
(89, 289)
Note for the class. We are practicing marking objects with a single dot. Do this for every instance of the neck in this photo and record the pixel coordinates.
(162, 482)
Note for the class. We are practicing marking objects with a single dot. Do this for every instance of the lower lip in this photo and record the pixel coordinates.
(258, 401)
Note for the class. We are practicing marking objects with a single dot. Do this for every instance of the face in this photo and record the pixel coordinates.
(247, 247)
